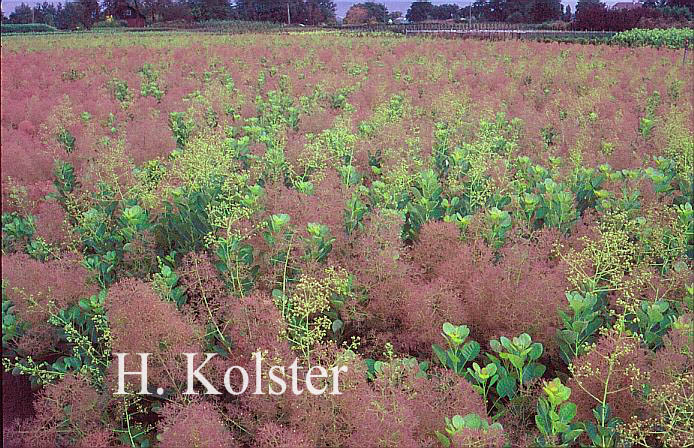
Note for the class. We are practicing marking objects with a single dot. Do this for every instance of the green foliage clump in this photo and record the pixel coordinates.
(311, 308)
(17, 231)
(470, 426)
(150, 82)
(516, 363)
(670, 37)
(84, 331)
(459, 352)
(554, 417)
(121, 92)
(27, 28)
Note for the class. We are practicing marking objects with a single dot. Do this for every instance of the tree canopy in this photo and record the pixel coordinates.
(367, 12)
(425, 10)
(300, 11)
(525, 11)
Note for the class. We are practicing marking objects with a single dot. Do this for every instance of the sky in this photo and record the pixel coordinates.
(342, 5)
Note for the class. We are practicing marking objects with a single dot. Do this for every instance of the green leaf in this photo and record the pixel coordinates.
(454, 359)
(423, 367)
(535, 351)
(543, 407)
(443, 440)
(516, 360)
(84, 304)
(220, 350)
(543, 424)
(489, 370)
(440, 354)
(571, 435)
(523, 340)
(506, 387)
(473, 421)
(458, 421)
(567, 412)
(602, 412)
(533, 371)
(471, 350)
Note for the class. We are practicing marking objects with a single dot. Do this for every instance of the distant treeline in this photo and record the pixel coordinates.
(589, 14)
(89, 13)
(83, 13)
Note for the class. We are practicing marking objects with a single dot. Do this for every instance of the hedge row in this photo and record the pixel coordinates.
(26, 28)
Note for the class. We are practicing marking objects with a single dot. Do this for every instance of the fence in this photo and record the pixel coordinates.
(483, 30)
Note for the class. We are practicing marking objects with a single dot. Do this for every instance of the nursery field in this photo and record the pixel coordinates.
(495, 239)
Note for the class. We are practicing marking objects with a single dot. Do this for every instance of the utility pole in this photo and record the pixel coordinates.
(289, 17)
(470, 13)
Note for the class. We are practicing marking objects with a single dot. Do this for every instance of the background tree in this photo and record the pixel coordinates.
(262, 10)
(320, 11)
(63, 21)
(45, 13)
(419, 11)
(680, 3)
(356, 15)
(367, 12)
(21, 14)
(544, 11)
(517, 11)
(377, 11)
(568, 14)
(394, 15)
(89, 12)
(445, 12)
(202, 9)
(153, 10)
(69, 17)
(491, 10)
(300, 11)
(590, 14)
(180, 10)
(109, 7)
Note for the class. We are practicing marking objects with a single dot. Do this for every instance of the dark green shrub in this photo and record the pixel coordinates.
(27, 28)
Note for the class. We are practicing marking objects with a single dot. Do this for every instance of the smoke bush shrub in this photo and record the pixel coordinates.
(67, 413)
(141, 322)
(32, 286)
(193, 425)
(52, 225)
(612, 373)
(430, 306)
(473, 182)
(273, 435)
(527, 283)
(437, 242)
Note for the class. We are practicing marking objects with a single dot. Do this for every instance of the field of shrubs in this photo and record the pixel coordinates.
(495, 238)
